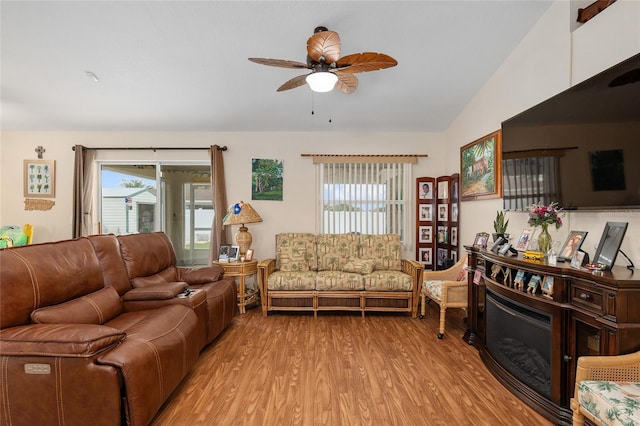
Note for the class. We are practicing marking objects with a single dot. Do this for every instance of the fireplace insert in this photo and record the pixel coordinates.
(519, 338)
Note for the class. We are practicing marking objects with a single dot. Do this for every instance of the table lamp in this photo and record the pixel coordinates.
(240, 214)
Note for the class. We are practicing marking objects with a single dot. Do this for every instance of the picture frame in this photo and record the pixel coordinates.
(426, 256)
(534, 283)
(519, 280)
(426, 190)
(572, 244)
(454, 235)
(443, 235)
(426, 213)
(443, 212)
(39, 178)
(454, 212)
(223, 253)
(248, 256)
(577, 260)
(477, 277)
(481, 240)
(234, 253)
(523, 241)
(609, 245)
(425, 234)
(495, 270)
(547, 286)
(442, 257)
(454, 256)
(481, 168)
(443, 190)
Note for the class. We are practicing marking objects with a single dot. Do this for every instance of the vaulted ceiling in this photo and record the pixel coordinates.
(182, 65)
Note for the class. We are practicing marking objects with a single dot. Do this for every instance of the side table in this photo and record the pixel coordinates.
(242, 270)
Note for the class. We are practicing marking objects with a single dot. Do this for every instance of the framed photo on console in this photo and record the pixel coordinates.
(572, 244)
(523, 241)
(481, 240)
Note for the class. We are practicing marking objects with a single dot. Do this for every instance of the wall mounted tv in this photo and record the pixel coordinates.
(580, 148)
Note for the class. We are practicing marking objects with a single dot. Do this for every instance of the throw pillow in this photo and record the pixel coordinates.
(359, 266)
(462, 275)
(94, 308)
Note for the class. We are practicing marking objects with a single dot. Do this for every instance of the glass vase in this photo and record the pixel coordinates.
(544, 239)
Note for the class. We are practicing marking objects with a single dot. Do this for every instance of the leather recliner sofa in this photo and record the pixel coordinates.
(99, 330)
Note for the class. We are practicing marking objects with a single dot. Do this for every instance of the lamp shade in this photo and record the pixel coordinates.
(322, 81)
(239, 214)
(245, 214)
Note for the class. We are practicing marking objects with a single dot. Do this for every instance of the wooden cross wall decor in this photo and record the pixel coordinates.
(593, 9)
(40, 150)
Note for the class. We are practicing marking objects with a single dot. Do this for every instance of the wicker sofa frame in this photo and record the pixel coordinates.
(341, 300)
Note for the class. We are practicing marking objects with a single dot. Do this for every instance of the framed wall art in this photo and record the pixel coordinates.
(40, 178)
(481, 168)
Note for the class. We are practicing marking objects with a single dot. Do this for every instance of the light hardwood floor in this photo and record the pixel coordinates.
(338, 369)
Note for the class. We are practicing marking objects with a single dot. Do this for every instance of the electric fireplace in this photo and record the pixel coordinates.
(519, 338)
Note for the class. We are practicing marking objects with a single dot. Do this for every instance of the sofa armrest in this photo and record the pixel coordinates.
(265, 268)
(162, 291)
(59, 340)
(415, 269)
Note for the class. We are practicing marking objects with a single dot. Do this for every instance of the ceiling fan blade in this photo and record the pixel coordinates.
(365, 61)
(282, 63)
(324, 45)
(347, 83)
(293, 83)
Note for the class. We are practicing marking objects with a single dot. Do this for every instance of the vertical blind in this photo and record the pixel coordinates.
(366, 198)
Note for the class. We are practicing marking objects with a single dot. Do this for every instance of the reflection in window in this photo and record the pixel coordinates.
(530, 180)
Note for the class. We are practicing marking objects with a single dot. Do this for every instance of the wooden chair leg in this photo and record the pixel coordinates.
(443, 311)
(423, 308)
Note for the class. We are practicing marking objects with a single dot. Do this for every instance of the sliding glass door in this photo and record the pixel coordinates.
(173, 198)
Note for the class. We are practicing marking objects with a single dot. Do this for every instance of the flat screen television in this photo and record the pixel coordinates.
(580, 148)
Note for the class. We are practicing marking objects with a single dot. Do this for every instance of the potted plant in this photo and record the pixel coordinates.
(500, 226)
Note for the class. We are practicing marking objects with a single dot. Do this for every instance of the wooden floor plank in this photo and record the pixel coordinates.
(338, 369)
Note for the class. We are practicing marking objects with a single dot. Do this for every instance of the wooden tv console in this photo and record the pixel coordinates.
(591, 313)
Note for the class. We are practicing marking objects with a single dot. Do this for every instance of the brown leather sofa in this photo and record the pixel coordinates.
(99, 330)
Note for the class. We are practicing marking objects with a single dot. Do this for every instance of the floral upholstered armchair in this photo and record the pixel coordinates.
(448, 289)
(607, 390)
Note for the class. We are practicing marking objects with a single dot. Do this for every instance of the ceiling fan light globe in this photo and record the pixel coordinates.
(322, 81)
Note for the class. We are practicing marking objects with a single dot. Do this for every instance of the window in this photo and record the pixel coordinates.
(173, 198)
(367, 198)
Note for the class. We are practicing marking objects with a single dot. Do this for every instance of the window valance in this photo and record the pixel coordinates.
(364, 158)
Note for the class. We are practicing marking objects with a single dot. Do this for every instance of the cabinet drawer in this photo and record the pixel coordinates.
(587, 297)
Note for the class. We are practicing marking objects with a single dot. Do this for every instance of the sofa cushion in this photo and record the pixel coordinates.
(388, 281)
(335, 250)
(280, 280)
(296, 252)
(339, 280)
(359, 266)
(385, 250)
(613, 403)
(95, 308)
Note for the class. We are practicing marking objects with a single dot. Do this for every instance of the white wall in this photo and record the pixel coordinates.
(296, 213)
(549, 60)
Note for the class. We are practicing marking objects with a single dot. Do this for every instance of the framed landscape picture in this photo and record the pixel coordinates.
(480, 168)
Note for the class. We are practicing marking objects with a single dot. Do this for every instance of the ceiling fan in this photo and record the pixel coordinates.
(328, 70)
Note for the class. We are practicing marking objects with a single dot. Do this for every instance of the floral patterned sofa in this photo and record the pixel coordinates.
(348, 272)
(607, 390)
